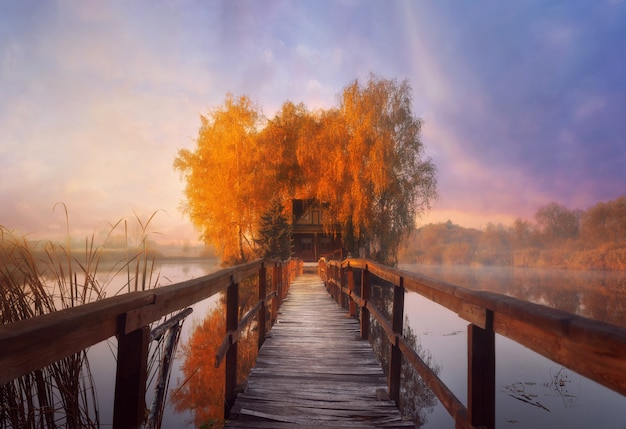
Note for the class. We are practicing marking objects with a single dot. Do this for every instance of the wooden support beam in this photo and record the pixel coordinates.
(284, 283)
(342, 284)
(481, 372)
(129, 406)
(365, 295)
(232, 321)
(160, 391)
(262, 296)
(395, 361)
(350, 274)
(275, 288)
(160, 330)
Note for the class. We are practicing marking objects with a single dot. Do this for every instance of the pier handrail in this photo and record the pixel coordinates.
(594, 349)
(31, 344)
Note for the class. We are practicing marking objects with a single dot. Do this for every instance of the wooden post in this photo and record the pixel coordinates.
(288, 267)
(129, 406)
(262, 295)
(365, 295)
(340, 285)
(395, 362)
(481, 383)
(352, 304)
(275, 288)
(286, 282)
(331, 284)
(329, 281)
(336, 286)
(283, 281)
(293, 269)
(232, 320)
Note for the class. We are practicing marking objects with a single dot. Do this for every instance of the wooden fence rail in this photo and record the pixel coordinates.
(34, 343)
(593, 349)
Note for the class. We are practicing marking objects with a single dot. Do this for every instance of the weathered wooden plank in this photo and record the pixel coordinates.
(77, 328)
(73, 330)
(258, 424)
(314, 370)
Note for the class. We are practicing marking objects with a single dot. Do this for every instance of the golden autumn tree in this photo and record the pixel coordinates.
(605, 222)
(386, 179)
(290, 129)
(363, 160)
(226, 184)
(324, 163)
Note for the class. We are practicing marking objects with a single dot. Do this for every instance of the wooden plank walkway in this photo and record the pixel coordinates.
(314, 370)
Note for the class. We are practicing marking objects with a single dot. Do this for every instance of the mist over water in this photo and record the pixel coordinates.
(531, 391)
(599, 295)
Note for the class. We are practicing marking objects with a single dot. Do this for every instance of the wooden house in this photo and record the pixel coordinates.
(309, 238)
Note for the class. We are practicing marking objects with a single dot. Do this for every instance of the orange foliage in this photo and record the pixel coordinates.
(364, 159)
(226, 187)
(203, 386)
(553, 242)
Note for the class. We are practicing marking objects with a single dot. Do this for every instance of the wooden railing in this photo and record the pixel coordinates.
(32, 344)
(593, 349)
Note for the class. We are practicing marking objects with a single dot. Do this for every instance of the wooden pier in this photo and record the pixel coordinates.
(314, 370)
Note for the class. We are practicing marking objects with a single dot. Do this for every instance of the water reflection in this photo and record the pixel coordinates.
(416, 399)
(200, 389)
(102, 356)
(599, 295)
(527, 385)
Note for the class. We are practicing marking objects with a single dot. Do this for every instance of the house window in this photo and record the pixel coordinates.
(317, 218)
(306, 244)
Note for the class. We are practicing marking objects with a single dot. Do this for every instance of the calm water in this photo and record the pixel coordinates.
(101, 358)
(531, 391)
(555, 397)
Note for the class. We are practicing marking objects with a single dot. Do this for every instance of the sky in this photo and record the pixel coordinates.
(523, 103)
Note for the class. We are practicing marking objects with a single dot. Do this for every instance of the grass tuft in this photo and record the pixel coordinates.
(39, 277)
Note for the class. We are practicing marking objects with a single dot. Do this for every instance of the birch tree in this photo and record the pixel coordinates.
(389, 180)
(226, 186)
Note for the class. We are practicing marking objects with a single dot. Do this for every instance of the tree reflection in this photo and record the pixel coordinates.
(201, 390)
(416, 399)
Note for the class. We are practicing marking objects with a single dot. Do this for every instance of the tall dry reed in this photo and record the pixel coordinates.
(42, 277)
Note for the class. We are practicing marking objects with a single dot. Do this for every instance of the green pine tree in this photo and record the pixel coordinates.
(274, 240)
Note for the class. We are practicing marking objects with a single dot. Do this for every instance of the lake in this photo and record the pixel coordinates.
(101, 357)
(532, 392)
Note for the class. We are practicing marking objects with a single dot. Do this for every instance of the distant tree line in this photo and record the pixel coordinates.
(559, 237)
